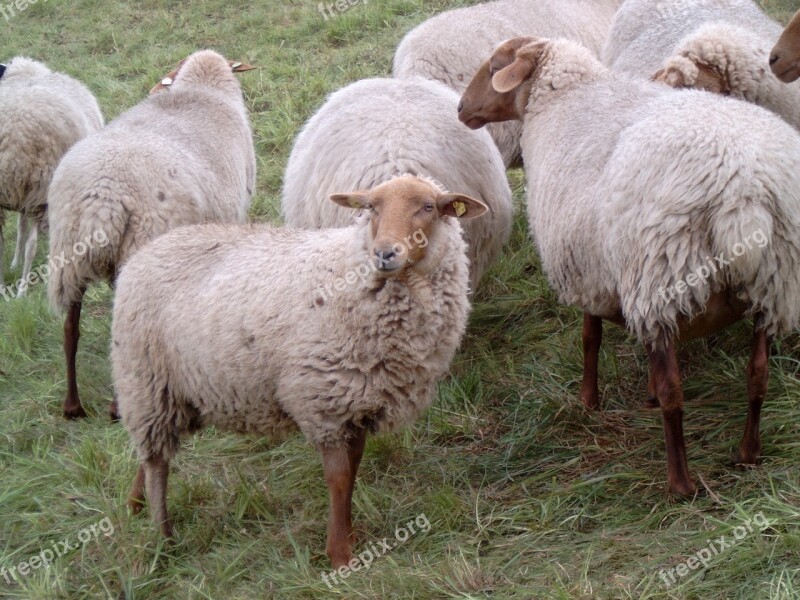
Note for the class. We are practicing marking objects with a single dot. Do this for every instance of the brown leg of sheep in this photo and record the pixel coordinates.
(72, 332)
(664, 362)
(592, 337)
(340, 466)
(113, 410)
(156, 471)
(136, 495)
(757, 381)
(652, 390)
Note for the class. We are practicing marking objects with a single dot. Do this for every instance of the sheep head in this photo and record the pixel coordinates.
(403, 214)
(682, 72)
(496, 92)
(169, 78)
(785, 57)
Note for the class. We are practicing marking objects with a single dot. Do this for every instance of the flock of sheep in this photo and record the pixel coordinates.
(672, 212)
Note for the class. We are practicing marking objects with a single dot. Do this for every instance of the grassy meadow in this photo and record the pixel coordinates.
(527, 494)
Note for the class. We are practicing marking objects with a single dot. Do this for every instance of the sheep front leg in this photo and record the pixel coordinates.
(664, 362)
(72, 332)
(156, 471)
(30, 252)
(592, 337)
(757, 382)
(341, 466)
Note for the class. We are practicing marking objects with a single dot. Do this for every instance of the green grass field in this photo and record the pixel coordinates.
(527, 494)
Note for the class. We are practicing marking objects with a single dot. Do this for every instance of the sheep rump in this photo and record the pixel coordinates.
(376, 129)
(284, 355)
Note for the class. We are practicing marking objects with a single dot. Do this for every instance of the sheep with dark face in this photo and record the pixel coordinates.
(632, 188)
(784, 59)
(336, 332)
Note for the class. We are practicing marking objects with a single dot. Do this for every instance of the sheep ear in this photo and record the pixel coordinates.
(240, 67)
(460, 206)
(672, 76)
(358, 200)
(659, 75)
(527, 58)
(165, 82)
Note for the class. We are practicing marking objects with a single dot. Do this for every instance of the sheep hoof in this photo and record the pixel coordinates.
(683, 489)
(113, 411)
(749, 459)
(651, 402)
(75, 412)
(340, 559)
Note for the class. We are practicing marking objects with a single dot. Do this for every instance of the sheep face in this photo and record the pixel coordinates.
(496, 92)
(785, 57)
(169, 78)
(686, 73)
(404, 213)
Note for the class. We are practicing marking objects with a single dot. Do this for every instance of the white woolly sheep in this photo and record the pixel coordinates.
(44, 114)
(633, 187)
(450, 46)
(180, 157)
(262, 330)
(645, 33)
(375, 129)
(785, 57)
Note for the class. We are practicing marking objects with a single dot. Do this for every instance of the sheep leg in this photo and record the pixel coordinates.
(113, 410)
(156, 471)
(652, 390)
(72, 332)
(22, 233)
(664, 362)
(30, 252)
(136, 496)
(757, 381)
(592, 337)
(340, 466)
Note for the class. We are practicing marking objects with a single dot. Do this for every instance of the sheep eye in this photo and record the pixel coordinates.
(429, 206)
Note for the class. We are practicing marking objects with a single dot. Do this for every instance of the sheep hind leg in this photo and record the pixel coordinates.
(156, 471)
(22, 234)
(757, 382)
(664, 361)
(652, 390)
(592, 338)
(72, 333)
(136, 497)
(340, 466)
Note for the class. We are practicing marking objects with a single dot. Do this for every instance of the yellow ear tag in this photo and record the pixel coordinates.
(354, 203)
(460, 208)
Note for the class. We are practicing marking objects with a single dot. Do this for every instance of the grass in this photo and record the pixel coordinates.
(527, 494)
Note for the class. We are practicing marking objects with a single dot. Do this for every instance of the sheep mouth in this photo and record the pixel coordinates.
(474, 122)
(790, 74)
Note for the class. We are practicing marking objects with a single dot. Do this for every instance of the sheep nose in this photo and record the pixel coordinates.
(460, 106)
(774, 57)
(384, 257)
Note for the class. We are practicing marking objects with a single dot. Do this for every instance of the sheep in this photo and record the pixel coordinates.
(784, 59)
(731, 60)
(375, 129)
(262, 330)
(44, 114)
(182, 156)
(632, 188)
(452, 45)
(645, 33)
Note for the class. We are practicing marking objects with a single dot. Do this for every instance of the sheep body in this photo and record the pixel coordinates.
(645, 33)
(179, 157)
(277, 352)
(717, 172)
(375, 129)
(450, 46)
(44, 114)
